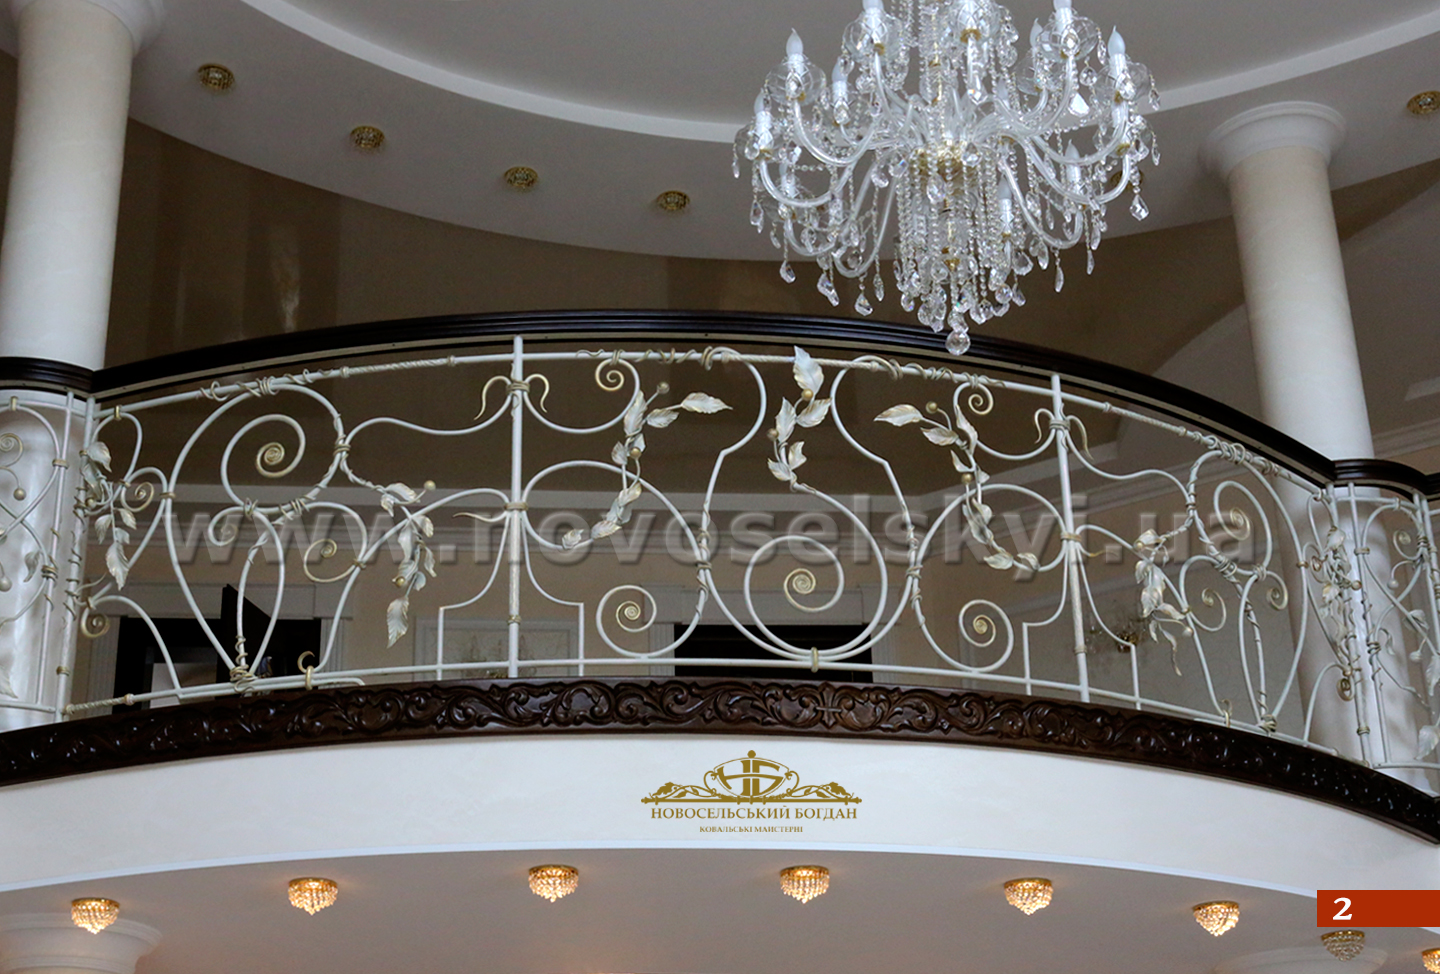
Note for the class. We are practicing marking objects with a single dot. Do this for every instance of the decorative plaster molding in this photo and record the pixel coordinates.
(142, 18)
(52, 941)
(1286, 123)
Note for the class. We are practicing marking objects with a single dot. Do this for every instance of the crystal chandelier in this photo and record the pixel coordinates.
(1029, 895)
(553, 881)
(804, 883)
(1218, 917)
(1344, 944)
(313, 894)
(93, 913)
(995, 164)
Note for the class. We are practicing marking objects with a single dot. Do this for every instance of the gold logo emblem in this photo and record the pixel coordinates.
(751, 780)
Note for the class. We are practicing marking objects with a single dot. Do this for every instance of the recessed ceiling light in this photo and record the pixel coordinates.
(1425, 103)
(216, 77)
(672, 201)
(521, 177)
(93, 913)
(367, 137)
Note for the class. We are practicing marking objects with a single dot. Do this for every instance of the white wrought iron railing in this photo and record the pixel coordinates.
(550, 511)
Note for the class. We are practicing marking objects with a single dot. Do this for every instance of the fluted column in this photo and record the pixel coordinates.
(50, 943)
(56, 263)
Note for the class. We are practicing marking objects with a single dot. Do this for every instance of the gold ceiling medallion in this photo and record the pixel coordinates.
(754, 781)
(804, 883)
(1217, 917)
(1029, 895)
(313, 894)
(93, 913)
(367, 137)
(1425, 103)
(672, 201)
(554, 881)
(1344, 944)
(216, 77)
(521, 177)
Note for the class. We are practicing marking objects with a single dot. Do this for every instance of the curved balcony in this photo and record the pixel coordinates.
(707, 523)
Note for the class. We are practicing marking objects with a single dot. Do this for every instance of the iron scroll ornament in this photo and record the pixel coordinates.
(278, 721)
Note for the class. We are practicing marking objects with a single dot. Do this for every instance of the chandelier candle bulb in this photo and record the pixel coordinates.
(852, 170)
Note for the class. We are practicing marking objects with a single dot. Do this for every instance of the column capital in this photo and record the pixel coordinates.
(141, 17)
(37, 941)
(1303, 960)
(1276, 126)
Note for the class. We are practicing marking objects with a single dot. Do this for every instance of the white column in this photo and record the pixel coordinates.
(1304, 960)
(59, 244)
(1275, 160)
(50, 943)
(56, 263)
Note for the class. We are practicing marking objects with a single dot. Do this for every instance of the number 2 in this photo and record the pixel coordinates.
(1344, 912)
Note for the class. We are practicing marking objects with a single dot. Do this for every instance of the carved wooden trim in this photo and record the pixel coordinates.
(237, 725)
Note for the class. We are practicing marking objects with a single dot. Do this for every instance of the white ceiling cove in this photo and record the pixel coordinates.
(613, 103)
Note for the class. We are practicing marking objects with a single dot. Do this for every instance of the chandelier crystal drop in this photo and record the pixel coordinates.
(313, 894)
(804, 883)
(93, 913)
(1218, 917)
(1029, 895)
(1344, 944)
(992, 166)
(553, 881)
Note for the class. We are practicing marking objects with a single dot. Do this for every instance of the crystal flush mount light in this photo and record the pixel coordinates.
(996, 163)
(672, 201)
(1431, 959)
(1425, 103)
(553, 881)
(521, 177)
(1344, 944)
(216, 77)
(804, 883)
(1217, 917)
(94, 914)
(1029, 895)
(367, 137)
(313, 894)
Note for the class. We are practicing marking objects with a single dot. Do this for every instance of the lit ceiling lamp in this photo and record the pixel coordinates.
(1029, 895)
(1431, 959)
(804, 883)
(93, 913)
(1218, 917)
(1344, 944)
(553, 881)
(313, 894)
(997, 163)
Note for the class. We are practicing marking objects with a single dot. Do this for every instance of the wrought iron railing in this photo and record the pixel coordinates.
(542, 508)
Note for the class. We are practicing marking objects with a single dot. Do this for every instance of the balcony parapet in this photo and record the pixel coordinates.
(485, 709)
